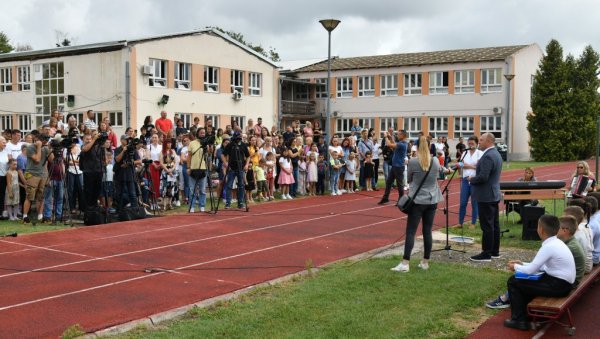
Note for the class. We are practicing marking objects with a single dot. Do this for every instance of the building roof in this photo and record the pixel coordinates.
(293, 65)
(116, 45)
(416, 59)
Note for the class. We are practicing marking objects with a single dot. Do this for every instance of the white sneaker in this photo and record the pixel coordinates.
(202, 209)
(343, 191)
(333, 193)
(401, 268)
(192, 210)
(290, 197)
(40, 216)
(284, 197)
(339, 192)
(424, 265)
(177, 203)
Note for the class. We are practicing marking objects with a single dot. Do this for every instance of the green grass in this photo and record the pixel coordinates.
(512, 165)
(7, 227)
(365, 300)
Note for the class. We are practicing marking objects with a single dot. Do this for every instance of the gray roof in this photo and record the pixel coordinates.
(416, 59)
(116, 45)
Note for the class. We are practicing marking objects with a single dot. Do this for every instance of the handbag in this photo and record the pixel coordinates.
(198, 174)
(405, 202)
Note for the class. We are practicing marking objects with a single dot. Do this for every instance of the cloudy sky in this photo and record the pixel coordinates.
(292, 28)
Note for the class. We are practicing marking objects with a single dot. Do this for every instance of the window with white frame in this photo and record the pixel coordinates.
(214, 119)
(49, 88)
(211, 79)
(23, 78)
(492, 124)
(80, 116)
(385, 124)
(491, 80)
(344, 87)
(464, 81)
(5, 122)
(343, 126)
(389, 85)
(239, 119)
(438, 83)
(438, 126)
(366, 123)
(159, 73)
(5, 79)
(115, 119)
(186, 118)
(464, 127)
(237, 81)
(412, 126)
(254, 86)
(412, 83)
(183, 76)
(366, 86)
(321, 88)
(25, 122)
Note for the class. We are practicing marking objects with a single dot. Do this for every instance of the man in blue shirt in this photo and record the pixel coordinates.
(397, 170)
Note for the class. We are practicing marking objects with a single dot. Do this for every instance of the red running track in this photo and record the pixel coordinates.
(107, 275)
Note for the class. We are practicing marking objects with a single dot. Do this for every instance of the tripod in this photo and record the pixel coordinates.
(58, 168)
(239, 158)
(198, 181)
(446, 194)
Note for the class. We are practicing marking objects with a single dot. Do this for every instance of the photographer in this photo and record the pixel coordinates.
(36, 174)
(127, 158)
(197, 168)
(236, 156)
(91, 164)
(54, 192)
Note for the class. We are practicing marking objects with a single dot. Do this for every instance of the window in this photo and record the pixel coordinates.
(49, 88)
(385, 124)
(492, 124)
(255, 83)
(183, 76)
(115, 119)
(80, 116)
(343, 125)
(5, 122)
(344, 87)
(412, 126)
(211, 79)
(239, 119)
(464, 82)
(25, 123)
(301, 92)
(412, 83)
(237, 81)
(463, 127)
(321, 88)
(438, 126)
(159, 73)
(214, 119)
(366, 86)
(491, 80)
(23, 78)
(389, 85)
(5, 79)
(438, 83)
(186, 118)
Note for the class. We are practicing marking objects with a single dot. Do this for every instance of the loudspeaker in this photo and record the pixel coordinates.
(530, 216)
(164, 100)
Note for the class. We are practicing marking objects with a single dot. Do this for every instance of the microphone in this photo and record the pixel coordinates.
(457, 166)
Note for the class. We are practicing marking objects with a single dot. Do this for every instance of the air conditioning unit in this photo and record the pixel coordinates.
(148, 70)
(336, 113)
(497, 110)
(237, 95)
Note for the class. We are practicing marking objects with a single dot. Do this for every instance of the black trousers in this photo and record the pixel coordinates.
(92, 187)
(426, 214)
(396, 173)
(490, 226)
(522, 291)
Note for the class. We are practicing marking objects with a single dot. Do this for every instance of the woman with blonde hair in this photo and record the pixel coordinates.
(582, 169)
(421, 169)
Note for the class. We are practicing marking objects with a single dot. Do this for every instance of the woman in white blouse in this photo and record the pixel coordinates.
(155, 152)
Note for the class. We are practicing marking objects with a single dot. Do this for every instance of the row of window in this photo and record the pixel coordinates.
(26, 121)
(438, 126)
(23, 79)
(183, 78)
(464, 82)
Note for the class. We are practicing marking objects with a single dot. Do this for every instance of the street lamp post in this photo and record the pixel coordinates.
(329, 25)
(509, 78)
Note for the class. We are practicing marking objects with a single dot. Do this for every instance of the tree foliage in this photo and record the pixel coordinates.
(565, 105)
(5, 46)
(239, 37)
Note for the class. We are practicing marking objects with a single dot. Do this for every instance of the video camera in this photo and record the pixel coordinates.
(132, 144)
(207, 141)
(102, 137)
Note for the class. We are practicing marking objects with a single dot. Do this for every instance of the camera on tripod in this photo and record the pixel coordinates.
(207, 141)
(102, 137)
(132, 144)
(147, 162)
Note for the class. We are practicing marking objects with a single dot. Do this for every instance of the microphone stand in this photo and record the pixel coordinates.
(446, 194)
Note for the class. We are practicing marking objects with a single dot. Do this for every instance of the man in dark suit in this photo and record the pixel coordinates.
(486, 191)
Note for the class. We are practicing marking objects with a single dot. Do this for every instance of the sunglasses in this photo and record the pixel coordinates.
(580, 167)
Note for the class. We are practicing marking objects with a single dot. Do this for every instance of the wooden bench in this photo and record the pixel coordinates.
(550, 310)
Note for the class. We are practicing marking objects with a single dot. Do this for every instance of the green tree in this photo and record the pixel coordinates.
(585, 102)
(5, 46)
(239, 37)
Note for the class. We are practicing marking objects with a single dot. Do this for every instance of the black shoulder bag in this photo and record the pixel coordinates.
(405, 203)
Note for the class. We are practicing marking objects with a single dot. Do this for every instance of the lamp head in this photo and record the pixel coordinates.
(329, 24)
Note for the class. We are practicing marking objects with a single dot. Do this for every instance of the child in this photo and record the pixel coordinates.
(286, 178)
(369, 168)
(350, 176)
(261, 180)
(302, 168)
(441, 157)
(12, 190)
(311, 173)
(321, 172)
(336, 166)
(107, 190)
(250, 184)
(270, 162)
(170, 187)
